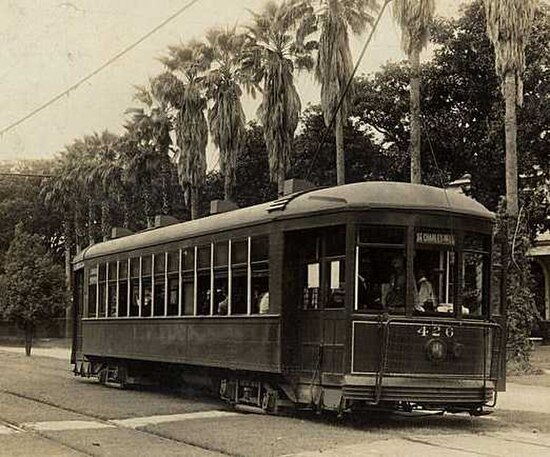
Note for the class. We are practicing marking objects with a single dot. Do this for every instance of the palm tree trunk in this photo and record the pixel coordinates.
(281, 180)
(227, 186)
(340, 159)
(510, 130)
(416, 170)
(194, 203)
(29, 332)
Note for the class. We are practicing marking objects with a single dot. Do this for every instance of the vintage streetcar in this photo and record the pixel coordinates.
(368, 295)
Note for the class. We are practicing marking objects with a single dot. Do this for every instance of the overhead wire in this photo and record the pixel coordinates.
(98, 70)
(347, 87)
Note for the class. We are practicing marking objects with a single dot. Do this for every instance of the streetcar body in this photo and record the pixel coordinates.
(372, 294)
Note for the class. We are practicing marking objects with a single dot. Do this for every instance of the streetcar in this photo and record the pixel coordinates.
(368, 295)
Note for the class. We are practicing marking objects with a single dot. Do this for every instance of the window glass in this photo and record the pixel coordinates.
(474, 274)
(312, 285)
(173, 295)
(204, 256)
(221, 300)
(111, 299)
(381, 279)
(112, 271)
(476, 242)
(239, 252)
(173, 261)
(203, 293)
(188, 294)
(92, 301)
(146, 265)
(259, 248)
(159, 263)
(221, 254)
(123, 269)
(239, 288)
(92, 292)
(102, 290)
(260, 289)
(335, 242)
(381, 234)
(335, 282)
(134, 297)
(123, 297)
(160, 293)
(146, 296)
(188, 259)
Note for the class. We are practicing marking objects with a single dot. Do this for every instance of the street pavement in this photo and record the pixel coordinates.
(44, 411)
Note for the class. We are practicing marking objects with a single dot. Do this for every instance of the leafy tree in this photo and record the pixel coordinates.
(271, 56)
(414, 17)
(32, 288)
(226, 117)
(508, 27)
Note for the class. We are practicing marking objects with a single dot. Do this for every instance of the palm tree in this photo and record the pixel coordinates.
(226, 117)
(414, 17)
(151, 126)
(508, 26)
(270, 57)
(187, 97)
(334, 65)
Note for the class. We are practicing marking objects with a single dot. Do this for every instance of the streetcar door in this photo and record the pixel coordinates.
(77, 308)
(315, 275)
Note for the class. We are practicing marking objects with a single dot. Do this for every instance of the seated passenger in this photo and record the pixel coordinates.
(264, 303)
(396, 293)
(222, 301)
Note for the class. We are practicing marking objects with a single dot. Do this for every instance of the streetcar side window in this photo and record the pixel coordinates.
(259, 269)
(221, 278)
(123, 288)
(381, 270)
(159, 286)
(112, 274)
(92, 292)
(135, 297)
(204, 290)
(172, 275)
(102, 297)
(188, 281)
(146, 285)
(239, 276)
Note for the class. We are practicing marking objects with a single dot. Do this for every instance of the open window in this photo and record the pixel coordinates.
(475, 275)
(172, 278)
(123, 288)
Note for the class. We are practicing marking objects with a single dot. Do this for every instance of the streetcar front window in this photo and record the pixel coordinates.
(435, 279)
(381, 269)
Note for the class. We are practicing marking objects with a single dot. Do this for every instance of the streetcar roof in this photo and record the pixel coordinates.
(357, 196)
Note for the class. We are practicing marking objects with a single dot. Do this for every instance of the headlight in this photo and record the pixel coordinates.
(436, 350)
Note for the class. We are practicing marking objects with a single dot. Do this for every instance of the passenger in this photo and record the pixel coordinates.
(264, 303)
(395, 296)
(222, 301)
(426, 297)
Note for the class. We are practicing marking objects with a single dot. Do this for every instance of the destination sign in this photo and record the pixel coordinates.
(442, 239)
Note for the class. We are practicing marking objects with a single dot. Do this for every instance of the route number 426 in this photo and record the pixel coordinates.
(435, 331)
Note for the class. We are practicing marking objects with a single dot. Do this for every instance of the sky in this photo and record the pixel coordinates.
(48, 45)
